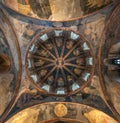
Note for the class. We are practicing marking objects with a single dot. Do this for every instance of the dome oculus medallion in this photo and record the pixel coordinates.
(59, 62)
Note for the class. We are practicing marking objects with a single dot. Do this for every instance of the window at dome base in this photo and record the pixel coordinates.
(58, 63)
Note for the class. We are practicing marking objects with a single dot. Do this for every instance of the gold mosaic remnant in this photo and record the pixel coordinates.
(60, 110)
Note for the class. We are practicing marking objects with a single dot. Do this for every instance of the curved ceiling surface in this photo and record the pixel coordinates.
(62, 55)
(60, 113)
(56, 10)
(60, 62)
(109, 62)
(10, 65)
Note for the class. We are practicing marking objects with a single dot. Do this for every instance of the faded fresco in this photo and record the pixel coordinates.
(9, 70)
(110, 44)
(56, 9)
(70, 111)
(32, 46)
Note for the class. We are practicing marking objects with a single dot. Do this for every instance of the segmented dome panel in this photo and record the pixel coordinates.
(59, 62)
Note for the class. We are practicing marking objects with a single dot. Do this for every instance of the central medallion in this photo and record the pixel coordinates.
(59, 62)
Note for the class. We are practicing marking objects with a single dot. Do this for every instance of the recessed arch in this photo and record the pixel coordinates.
(5, 63)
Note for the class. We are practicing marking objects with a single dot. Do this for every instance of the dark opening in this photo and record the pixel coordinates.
(4, 63)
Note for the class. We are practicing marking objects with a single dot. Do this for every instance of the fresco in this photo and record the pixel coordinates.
(109, 61)
(93, 29)
(9, 78)
(58, 66)
(21, 39)
(56, 10)
(42, 113)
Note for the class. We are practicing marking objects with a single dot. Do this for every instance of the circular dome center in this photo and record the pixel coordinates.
(59, 62)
